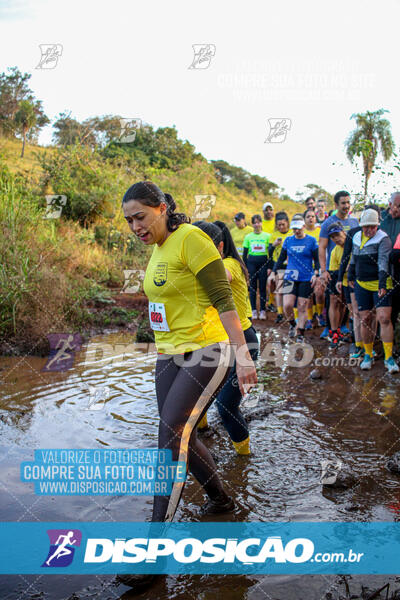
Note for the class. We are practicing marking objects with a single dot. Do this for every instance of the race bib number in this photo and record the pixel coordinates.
(157, 316)
(258, 246)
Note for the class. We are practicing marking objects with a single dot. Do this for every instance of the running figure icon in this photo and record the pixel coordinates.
(62, 550)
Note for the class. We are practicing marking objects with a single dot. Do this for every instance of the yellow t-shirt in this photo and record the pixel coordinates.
(314, 233)
(372, 286)
(275, 236)
(268, 226)
(335, 260)
(176, 299)
(238, 237)
(240, 292)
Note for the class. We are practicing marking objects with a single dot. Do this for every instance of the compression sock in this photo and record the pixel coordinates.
(309, 314)
(368, 348)
(203, 423)
(296, 313)
(388, 349)
(359, 345)
(271, 298)
(320, 308)
(242, 447)
(280, 310)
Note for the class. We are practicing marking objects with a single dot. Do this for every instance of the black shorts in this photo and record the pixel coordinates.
(367, 300)
(300, 289)
(332, 283)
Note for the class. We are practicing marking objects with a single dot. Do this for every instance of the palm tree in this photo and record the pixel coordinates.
(25, 118)
(372, 134)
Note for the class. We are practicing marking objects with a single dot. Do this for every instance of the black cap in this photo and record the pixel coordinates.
(239, 216)
(336, 227)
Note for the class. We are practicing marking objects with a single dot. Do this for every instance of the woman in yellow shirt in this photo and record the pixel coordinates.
(229, 398)
(192, 313)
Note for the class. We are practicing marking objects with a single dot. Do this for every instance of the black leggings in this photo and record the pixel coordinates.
(186, 385)
(258, 271)
(228, 400)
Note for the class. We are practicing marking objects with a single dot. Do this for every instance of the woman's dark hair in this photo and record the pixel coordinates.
(148, 193)
(281, 216)
(216, 233)
(255, 218)
(230, 248)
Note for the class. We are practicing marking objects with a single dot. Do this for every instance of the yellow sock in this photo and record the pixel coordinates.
(280, 310)
(320, 308)
(271, 298)
(388, 349)
(296, 313)
(203, 423)
(314, 309)
(242, 447)
(309, 314)
(368, 348)
(359, 344)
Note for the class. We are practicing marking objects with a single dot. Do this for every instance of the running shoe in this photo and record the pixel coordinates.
(366, 363)
(321, 321)
(356, 351)
(325, 334)
(254, 315)
(300, 339)
(279, 319)
(214, 507)
(292, 331)
(263, 315)
(308, 325)
(271, 308)
(392, 365)
(345, 330)
(334, 343)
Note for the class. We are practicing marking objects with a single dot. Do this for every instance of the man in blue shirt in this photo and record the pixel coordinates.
(326, 245)
(301, 252)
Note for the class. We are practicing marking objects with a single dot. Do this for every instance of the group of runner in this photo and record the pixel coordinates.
(328, 270)
(201, 282)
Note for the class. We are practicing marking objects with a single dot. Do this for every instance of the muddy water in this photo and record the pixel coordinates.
(346, 415)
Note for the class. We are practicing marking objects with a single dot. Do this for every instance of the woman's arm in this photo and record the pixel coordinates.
(213, 279)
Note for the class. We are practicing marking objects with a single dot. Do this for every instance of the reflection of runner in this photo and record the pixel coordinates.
(62, 550)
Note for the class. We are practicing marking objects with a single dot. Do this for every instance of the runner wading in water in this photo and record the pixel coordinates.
(197, 331)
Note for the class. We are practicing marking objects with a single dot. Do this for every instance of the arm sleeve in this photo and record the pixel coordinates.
(245, 253)
(270, 251)
(316, 258)
(348, 246)
(213, 279)
(385, 247)
(281, 260)
(351, 275)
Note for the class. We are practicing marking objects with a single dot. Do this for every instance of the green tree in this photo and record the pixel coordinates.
(25, 119)
(14, 89)
(371, 135)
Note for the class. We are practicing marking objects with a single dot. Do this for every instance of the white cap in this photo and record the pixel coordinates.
(266, 204)
(297, 224)
(369, 217)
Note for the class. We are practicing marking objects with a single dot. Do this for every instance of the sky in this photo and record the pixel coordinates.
(313, 64)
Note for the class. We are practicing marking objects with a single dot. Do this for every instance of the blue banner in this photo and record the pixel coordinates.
(213, 548)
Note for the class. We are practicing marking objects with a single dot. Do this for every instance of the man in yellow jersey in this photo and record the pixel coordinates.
(239, 232)
(268, 223)
(369, 269)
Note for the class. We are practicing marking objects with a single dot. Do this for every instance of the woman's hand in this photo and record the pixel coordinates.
(245, 371)
(381, 292)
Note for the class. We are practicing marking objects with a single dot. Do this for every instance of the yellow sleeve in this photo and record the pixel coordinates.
(334, 263)
(233, 267)
(198, 250)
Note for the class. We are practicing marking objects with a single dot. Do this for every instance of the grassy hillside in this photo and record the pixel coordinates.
(54, 273)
